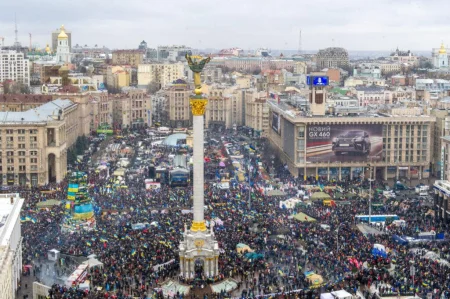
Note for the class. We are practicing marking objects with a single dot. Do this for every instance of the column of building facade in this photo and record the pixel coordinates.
(182, 265)
(444, 206)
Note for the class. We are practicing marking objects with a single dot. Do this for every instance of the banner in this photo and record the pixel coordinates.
(344, 143)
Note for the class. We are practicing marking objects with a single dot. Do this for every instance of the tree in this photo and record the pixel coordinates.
(153, 87)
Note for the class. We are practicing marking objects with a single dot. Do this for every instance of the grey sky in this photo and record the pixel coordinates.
(353, 24)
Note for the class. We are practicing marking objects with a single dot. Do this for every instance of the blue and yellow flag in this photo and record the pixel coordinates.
(133, 252)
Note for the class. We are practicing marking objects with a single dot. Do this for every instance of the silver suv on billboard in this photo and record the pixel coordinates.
(355, 141)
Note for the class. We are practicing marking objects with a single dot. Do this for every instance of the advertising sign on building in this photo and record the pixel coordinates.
(276, 122)
(317, 80)
(344, 143)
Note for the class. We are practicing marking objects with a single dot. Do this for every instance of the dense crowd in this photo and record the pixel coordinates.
(289, 247)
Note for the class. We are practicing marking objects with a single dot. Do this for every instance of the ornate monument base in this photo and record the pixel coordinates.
(199, 254)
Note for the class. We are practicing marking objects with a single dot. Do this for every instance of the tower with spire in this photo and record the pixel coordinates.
(63, 49)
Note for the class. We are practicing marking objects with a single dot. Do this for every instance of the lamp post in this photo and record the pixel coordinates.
(370, 193)
(337, 238)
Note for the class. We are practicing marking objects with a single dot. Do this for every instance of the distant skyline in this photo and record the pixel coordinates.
(381, 25)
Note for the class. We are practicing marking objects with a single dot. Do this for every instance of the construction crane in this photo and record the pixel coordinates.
(3, 41)
(30, 42)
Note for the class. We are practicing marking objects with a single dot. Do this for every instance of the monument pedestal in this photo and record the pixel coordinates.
(199, 250)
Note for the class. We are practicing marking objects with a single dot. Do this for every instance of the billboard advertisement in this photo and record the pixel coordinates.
(276, 122)
(344, 143)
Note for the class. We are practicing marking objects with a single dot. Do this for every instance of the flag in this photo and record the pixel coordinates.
(103, 240)
(88, 244)
(133, 252)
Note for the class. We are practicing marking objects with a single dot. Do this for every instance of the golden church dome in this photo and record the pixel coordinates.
(442, 50)
(62, 34)
(47, 49)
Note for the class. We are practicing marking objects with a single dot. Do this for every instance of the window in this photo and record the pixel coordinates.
(22, 160)
(10, 161)
(21, 153)
(21, 138)
(33, 160)
(22, 167)
(10, 168)
(21, 131)
(9, 131)
(33, 139)
(33, 153)
(10, 153)
(10, 139)
(34, 131)
(22, 145)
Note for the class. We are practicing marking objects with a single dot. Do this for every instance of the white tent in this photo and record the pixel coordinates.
(93, 263)
(342, 294)
(326, 296)
(53, 255)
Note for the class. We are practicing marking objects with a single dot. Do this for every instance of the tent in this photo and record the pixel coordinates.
(93, 263)
(275, 193)
(48, 203)
(342, 294)
(320, 196)
(303, 217)
(289, 204)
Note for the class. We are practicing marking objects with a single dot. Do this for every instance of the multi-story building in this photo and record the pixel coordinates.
(372, 95)
(212, 74)
(159, 73)
(437, 85)
(128, 57)
(382, 147)
(366, 70)
(95, 109)
(34, 143)
(14, 66)
(441, 129)
(218, 111)
(118, 76)
(132, 109)
(332, 57)
(300, 67)
(10, 244)
(252, 64)
(91, 52)
(55, 39)
(404, 57)
(159, 107)
(172, 53)
(257, 115)
(22, 102)
(179, 109)
(390, 67)
(363, 81)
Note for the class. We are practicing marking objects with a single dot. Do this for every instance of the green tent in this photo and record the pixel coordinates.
(302, 217)
(48, 203)
(320, 196)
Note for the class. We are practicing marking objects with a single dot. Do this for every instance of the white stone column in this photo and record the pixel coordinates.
(198, 169)
(182, 266)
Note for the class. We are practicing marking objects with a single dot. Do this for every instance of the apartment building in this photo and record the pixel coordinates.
(179, 109)
(159, 73)
(118, 76)
(257, 115)
(128, 57)
(34, 143)
(14, 66)
(132, 109)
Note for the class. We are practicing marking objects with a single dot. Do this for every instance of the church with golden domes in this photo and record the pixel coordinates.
(440, 59)
(62, 48)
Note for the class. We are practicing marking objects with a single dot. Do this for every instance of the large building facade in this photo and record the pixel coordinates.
(132, 109)
(128, 57)
(343, 147)
(179, 108)
(14, 66)
(10, 245)
(159, 73)
(34, 143)
(332, 57)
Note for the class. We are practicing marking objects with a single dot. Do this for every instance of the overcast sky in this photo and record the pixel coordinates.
(248, 24)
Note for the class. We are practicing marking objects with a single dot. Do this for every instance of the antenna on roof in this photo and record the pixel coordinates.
(300, 42)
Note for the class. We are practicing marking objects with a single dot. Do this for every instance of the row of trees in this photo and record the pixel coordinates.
(11, 87)
(78, 148)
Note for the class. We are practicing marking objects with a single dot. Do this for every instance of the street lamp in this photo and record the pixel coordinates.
(337, 238)
(370, 193)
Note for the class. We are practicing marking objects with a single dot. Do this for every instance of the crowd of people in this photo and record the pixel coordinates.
(289, 247)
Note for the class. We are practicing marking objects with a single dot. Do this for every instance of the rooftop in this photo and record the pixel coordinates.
(42, 113)
(8, 215)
